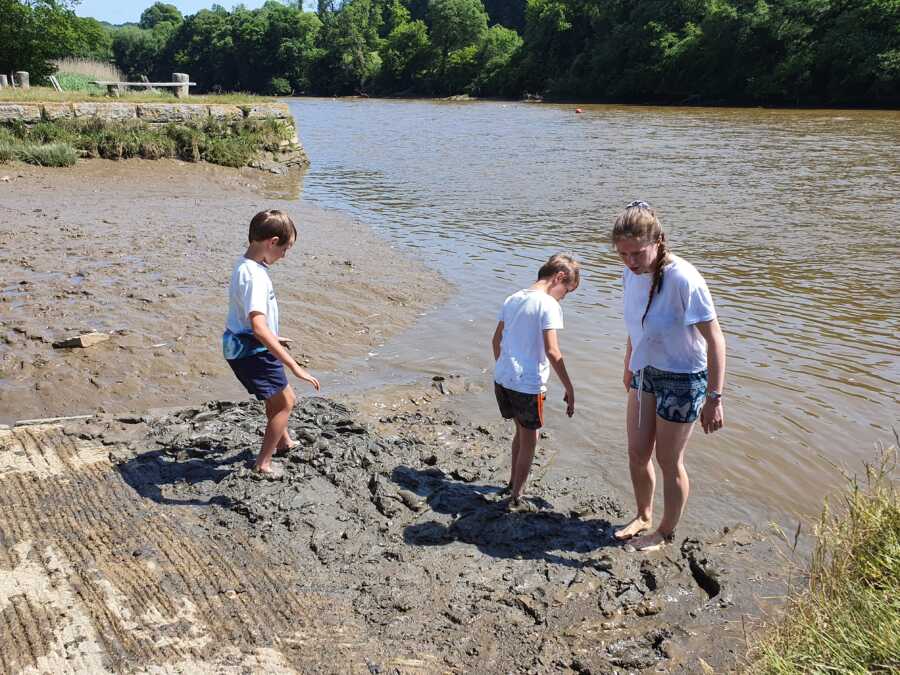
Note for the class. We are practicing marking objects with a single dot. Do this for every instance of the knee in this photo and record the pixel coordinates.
(671, 467)
(290, 398)
(639, 456)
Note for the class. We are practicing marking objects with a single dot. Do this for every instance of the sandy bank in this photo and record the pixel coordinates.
(144, 250)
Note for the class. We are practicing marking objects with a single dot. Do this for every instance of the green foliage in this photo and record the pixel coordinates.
(848, 618)
(455, 25)
(798, 52)
(158, 13)
(495, 61)
(76, 82)
(58, 143)
(33, 33)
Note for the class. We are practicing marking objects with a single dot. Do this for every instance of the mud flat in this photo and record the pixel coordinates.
(142, 251)
(144, 543)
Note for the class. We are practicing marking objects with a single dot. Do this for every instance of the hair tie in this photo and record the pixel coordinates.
(638, 204)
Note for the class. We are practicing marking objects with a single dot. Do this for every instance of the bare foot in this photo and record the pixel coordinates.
(268, 471)
(284, 449)
(648, 543)
(522, 505)
(634, 528)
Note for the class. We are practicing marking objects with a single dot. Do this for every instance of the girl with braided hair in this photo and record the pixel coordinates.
(674, 369)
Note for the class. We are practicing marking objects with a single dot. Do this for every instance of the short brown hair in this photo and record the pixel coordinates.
(272, 223)
(561, 262)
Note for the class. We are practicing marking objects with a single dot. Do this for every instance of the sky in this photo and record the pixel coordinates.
(120, 11)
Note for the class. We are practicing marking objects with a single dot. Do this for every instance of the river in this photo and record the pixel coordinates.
(791, 216)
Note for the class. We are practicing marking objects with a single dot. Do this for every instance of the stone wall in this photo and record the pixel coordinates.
(165, 113)
(152, 113)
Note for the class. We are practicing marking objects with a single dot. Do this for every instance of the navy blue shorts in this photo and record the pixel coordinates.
(261, 374)
(679, 396)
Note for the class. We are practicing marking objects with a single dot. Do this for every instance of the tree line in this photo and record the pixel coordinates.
(788, 52)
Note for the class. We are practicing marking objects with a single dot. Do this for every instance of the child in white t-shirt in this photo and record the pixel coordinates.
(525, 346)
(250, 343)
(674, 369)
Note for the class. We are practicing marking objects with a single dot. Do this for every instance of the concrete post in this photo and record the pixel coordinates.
(3, 82)
(182, 91)
(22, 78)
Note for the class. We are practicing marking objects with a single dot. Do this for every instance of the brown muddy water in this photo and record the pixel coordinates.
(790, 215)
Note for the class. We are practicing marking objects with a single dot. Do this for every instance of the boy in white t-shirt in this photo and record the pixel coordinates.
(250, 343)
(525, 346)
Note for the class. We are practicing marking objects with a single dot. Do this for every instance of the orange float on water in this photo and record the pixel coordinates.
(579, 110)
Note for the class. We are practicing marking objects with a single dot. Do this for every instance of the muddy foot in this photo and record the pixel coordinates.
(650, 542)
(632, 529)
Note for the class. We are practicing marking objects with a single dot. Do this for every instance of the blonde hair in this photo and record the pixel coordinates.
(638, 221)
(272, 223)
(561, 262)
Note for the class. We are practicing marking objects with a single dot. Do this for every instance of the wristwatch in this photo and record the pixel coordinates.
(713, 395)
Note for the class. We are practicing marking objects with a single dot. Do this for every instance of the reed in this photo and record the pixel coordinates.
(89, 69)
(847, 618)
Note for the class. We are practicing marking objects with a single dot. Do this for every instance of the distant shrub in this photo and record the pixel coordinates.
(280, 86)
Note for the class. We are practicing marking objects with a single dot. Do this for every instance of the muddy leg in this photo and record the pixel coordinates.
(524, 457)
(278, 411)
(641, 440)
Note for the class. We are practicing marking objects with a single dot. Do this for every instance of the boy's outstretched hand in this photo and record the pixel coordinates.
(305, 375)
(569, 398)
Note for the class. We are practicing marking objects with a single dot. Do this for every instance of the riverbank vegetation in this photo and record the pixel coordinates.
(61, 142)
(848, 618)
(803, 52)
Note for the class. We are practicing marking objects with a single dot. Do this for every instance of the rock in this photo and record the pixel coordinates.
(85, 340)
(11, 112)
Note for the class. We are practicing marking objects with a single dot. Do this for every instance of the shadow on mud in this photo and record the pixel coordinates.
(478, 517)
(196, 470)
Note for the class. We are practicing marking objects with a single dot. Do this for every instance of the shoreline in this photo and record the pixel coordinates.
(142, 250)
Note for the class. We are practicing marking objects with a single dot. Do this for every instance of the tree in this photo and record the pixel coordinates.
(455, 24)
(35, 31)
(158, 13)
(494, 59)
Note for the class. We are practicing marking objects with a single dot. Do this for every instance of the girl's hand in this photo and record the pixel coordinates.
(712, 416)
(626, 379)
(569, 398)
(304, 375)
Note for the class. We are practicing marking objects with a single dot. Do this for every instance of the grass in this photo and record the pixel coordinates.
(89, 69)
(49, 95)
(59, 143)
(847, 619)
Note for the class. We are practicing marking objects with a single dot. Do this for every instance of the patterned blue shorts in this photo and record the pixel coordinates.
(679, 396)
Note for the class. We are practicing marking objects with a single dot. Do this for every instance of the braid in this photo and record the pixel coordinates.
(662, 256)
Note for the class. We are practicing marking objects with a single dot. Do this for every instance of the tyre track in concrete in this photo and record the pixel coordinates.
(153, 591)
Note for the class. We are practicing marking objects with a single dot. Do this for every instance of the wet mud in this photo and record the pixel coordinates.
(142, 251)
(383, 546)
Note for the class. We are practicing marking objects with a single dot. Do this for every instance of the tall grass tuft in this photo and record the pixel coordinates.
(847, 620)
(89, 68)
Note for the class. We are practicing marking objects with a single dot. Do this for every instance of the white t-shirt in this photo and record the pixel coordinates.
(250, 291)
(668, 338)
(523, 365)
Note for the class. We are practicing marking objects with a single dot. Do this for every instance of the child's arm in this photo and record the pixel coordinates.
(262, 333)
(551, 347)
(497, 339)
